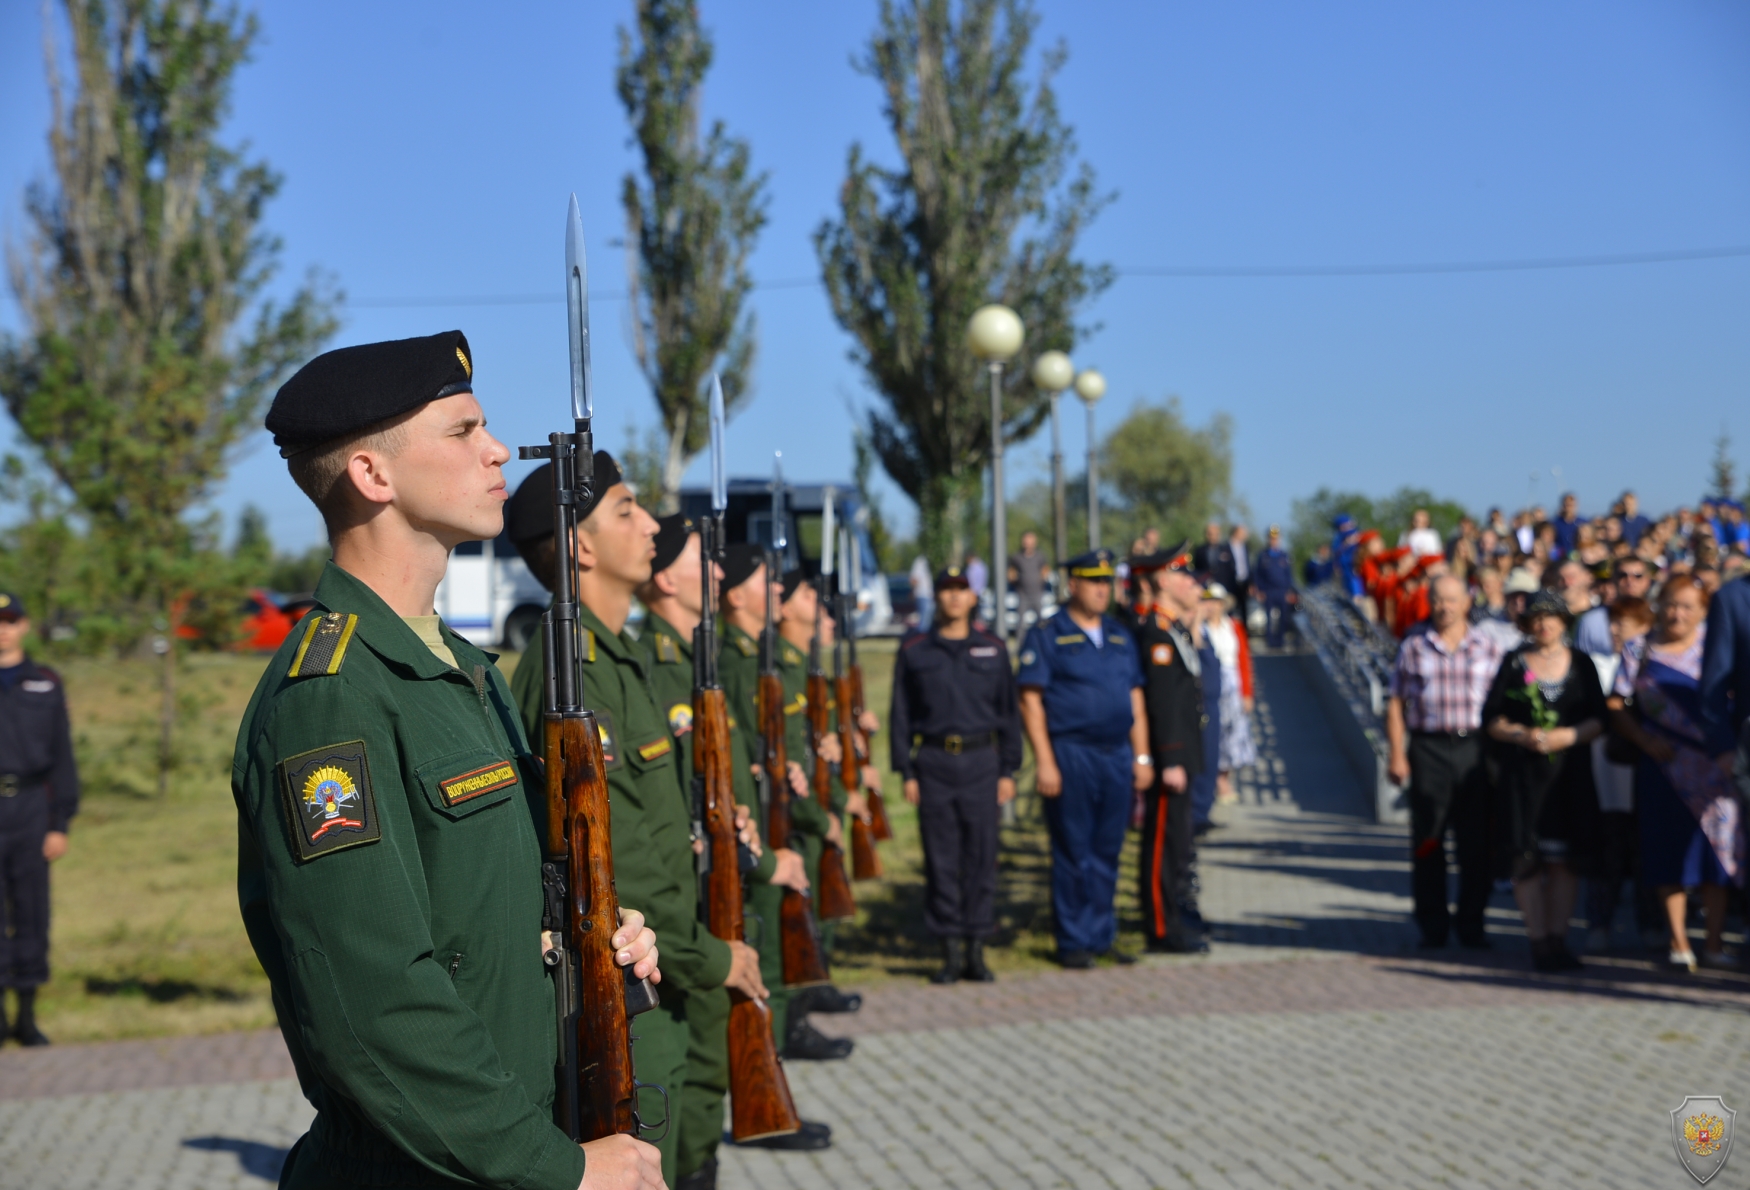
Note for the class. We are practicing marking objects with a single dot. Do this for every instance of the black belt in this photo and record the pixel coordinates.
(954, 745)
(1447, 735)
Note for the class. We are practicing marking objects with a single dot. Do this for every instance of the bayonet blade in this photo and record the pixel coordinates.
(719, 481)
(577, 314)
(828, 538)
(780, 540)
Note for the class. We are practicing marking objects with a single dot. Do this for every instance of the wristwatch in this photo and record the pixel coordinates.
(1145, 758)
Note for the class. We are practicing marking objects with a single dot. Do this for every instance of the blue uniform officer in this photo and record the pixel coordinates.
(1081, 704)
(1274, 578)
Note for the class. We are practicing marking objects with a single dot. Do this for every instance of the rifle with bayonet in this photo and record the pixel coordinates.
(799, 940)
(836, 901)
(596, 1092)
(759, 1094)
(851, 702)
(865, 862)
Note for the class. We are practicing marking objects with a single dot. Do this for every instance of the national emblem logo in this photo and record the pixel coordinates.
(329, 800)
(680, 718)
(1701, 1131)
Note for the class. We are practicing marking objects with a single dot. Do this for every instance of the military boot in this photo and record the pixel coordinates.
(25, 1031)
(953, 961)
(976, 971)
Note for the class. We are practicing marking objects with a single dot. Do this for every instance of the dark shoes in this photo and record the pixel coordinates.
(975, 970)
(953, 961)
(812, 1137)
(24, 1032)
(1075, 960)
(1122, 957)
(805, 1043)
(826, 998)
(1551, 956)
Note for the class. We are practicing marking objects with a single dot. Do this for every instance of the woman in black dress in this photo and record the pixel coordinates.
(1543, 711)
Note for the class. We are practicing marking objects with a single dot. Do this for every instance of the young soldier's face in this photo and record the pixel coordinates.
(618, 540)
(448, 478)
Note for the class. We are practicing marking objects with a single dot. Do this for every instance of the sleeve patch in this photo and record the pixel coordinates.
(604, 725)
(680, 718)
(329, 799)
(323, 647)
(467, 786)
(656, 749)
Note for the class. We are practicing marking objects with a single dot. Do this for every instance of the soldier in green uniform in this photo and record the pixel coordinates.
(673, 608)
(798, 606)
(388, 866)
(743, 612)
(654, 864)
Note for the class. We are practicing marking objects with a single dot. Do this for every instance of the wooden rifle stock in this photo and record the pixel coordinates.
(804, 962)
(596, 1093)
(865, 863)
(836, 901)
(878, 824)
(759, 1094)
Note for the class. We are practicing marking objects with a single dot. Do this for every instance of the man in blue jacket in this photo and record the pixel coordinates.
(1082, 707)
(1274, 578)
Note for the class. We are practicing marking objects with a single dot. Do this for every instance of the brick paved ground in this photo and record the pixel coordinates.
(1313, 1047)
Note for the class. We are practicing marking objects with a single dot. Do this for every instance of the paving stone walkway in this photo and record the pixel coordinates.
(1313, 1047)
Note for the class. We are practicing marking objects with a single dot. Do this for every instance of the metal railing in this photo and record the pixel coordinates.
(1357, 656)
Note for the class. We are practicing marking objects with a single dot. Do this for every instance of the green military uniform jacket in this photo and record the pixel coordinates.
(654, 867)
(389, 878)
(669, 654)
(739, 668)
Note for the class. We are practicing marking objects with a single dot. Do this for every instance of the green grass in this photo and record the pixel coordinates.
(146, 936)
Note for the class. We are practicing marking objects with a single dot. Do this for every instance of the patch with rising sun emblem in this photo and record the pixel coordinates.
(680, 719)
(329, 799)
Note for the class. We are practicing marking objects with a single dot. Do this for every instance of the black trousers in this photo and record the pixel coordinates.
(1169, 850)
(24, 906)
(958, 818)
(1447, 793)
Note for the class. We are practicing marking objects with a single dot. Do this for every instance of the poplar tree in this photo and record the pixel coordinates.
(985, 204)
(147, 348)
(691, 223)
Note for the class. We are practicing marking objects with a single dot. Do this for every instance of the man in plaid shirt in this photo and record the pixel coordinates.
(1433, 723)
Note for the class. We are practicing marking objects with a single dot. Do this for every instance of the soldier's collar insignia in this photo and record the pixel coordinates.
(462, 357)
(323, 646)
(680, 718)
(465, 787)
(329, 799)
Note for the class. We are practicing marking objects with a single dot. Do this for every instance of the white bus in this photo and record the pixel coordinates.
(489, 596)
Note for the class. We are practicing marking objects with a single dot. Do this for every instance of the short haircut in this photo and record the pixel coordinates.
(1631, 608)
(320, 470)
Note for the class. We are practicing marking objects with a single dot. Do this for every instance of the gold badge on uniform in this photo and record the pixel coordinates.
(329, 799)
(1163, 654)
(680, 718)
(466, 366)
(465, 787)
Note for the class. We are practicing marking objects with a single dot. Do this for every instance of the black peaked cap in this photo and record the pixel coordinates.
(529, 513)
(672, 532)
(350, 389)
(740, 560)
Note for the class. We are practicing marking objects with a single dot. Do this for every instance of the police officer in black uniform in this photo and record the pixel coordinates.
(39, 794)
(956, 742)
(1167, 645)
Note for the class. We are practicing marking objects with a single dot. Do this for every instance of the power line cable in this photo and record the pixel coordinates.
(1238, 271)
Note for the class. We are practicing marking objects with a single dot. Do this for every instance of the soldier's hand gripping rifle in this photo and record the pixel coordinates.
(836, 901)
(596, 998)
(759, 1094)
(850, 566)
(865, 863)
(804, 960)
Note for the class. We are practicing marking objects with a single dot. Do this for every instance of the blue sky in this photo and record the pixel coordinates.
(429, 148)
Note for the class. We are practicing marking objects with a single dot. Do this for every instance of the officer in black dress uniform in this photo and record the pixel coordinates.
(39, 794)
(956, 742)
(1172, 693)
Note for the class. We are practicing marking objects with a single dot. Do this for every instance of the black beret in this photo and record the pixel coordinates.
(529, 513)
(740, 561)
(350, 389)
(672, 532)
(792, 580)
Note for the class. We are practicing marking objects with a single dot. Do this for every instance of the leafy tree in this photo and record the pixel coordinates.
(693, 219)
(1166, 473)
(140, 367)
(982, 207)
(1310, 518)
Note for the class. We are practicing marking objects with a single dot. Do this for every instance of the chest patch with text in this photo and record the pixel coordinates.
(983, 651)
(465, 787)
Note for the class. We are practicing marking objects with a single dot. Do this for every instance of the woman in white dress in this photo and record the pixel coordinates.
(1228, 637)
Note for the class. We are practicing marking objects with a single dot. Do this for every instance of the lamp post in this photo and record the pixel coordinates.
(1090, 387)
(994, 335)
(1053, 372)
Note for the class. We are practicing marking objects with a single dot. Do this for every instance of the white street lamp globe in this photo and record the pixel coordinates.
(994, 333)
(1090, 386)
(1053, 372)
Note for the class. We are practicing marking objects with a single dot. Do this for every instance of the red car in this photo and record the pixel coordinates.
(267, 621)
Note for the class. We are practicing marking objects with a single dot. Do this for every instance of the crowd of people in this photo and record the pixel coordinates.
(1567, 703)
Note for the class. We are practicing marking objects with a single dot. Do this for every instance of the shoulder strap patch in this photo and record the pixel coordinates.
(666, 649)
(323, 647)
(748, 648)
(589, 644)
